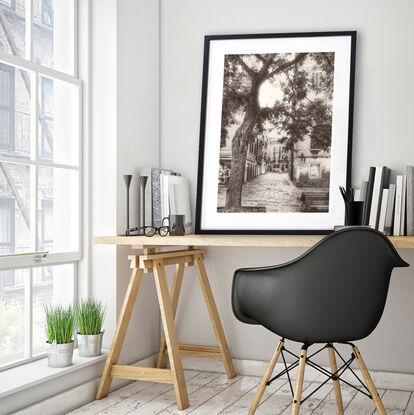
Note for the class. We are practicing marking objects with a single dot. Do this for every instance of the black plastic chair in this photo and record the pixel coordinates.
(333, 293)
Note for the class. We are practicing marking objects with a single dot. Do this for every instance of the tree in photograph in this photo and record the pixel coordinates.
(243, 77)
(306, 108)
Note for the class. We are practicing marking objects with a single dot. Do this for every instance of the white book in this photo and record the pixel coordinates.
(383, 211)
(397, 212)
(403, 204)
(357, 195)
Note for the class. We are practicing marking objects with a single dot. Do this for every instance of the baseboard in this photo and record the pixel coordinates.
(382, 380)
(72, 399)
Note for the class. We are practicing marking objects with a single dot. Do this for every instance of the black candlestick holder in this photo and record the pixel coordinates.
(127, 180)
(143, 182)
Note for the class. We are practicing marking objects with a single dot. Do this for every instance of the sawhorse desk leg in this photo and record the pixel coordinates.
(155, 262)
(120, 332)
(220, 352)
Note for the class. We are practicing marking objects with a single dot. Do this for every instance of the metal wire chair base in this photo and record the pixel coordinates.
(346, 365)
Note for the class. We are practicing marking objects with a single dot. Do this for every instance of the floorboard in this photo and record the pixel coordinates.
(213, 393)
(395, 402)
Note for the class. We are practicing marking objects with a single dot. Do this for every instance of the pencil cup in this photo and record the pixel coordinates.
(354, 213)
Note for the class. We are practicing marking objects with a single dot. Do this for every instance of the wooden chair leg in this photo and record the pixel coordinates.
(299, 383)
(167, 316)
(337, 386)
(121, 329)
(214, 316)
(265, 378)
(370, 384)
(175, 293)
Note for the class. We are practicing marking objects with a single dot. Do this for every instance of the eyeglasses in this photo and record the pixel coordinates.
(151, 230)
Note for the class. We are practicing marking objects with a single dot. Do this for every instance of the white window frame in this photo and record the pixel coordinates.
(30, 260)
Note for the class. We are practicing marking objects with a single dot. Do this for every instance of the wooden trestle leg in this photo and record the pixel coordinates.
(120, 332)
(170, 334)
(175, 293)
(154, 262)
(214, 316)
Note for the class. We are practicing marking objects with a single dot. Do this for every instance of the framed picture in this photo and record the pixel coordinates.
(276, 132)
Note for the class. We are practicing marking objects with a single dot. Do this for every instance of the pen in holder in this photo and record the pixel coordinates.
(353, 213)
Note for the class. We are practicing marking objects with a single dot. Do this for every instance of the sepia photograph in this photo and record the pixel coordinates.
(276, 132)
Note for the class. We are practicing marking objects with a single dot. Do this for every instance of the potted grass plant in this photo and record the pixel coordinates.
(60, 327)
(91, 315)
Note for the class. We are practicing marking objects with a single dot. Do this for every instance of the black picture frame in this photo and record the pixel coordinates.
(202, 139)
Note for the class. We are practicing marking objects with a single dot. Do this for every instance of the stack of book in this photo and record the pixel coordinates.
(166, 193)
(388, 207)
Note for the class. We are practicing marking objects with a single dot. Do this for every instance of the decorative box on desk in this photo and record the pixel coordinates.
(148, 260)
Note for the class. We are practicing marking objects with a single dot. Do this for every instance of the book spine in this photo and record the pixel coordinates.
(397, 213)
(410, 200)
(375, 203)
(403, 205)
(389, 216)
(383, 211)
(156, 198)
(368, 200)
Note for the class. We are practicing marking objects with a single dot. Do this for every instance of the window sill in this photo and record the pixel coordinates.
(34, 373)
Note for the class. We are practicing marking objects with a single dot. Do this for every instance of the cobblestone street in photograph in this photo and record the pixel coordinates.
(271, 190)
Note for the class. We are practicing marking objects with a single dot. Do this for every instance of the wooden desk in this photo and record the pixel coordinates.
(148, 260)
(290, 241)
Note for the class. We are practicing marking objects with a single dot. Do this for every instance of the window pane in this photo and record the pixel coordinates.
(13, 26)
(16, 233)
(51, 285)
(58, 122)
(58, 209)
(12, 310)
(53, 33)
(14, 112)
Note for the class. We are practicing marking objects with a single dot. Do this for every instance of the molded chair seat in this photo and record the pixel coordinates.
(333, 293)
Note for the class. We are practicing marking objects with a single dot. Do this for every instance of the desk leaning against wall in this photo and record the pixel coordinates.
(149, 260)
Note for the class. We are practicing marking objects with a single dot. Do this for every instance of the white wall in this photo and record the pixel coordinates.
(124, 118)
(137, 146)
(383, 134)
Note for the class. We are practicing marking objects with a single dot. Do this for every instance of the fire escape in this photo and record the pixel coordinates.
(45, 129)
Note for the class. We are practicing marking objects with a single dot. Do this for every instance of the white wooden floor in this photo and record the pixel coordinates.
(212, 393)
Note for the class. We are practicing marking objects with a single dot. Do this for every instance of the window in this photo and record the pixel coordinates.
(7, 107)
(46, 118)
(7, 230)
(40, 172)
